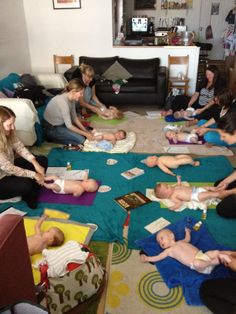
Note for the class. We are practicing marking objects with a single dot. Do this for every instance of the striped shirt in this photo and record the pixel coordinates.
(205, 96)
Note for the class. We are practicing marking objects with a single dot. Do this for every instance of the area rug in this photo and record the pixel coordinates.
(135, 287)
(151, 139)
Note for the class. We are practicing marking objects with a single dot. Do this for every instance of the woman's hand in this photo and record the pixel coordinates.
(38, 168)
(39, 178)
(222, 185)
(201, 131)
(89, 136)
(198, 111)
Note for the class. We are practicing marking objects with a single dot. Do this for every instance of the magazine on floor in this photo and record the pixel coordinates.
(132, 200)
(132, 173)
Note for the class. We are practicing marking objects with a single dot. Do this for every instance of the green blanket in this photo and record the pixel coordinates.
(96, 118)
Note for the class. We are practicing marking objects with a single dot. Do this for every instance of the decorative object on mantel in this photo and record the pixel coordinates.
(144, 4)
(176, 5)
(66, 4)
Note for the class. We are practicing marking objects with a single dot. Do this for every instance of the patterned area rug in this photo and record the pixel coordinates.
(135, 288)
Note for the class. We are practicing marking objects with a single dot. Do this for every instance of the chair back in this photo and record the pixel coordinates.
(62, 60)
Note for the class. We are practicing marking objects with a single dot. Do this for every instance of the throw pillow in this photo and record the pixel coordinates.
(116, 71)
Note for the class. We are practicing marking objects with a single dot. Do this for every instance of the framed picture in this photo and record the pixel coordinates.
(66, 4)
(144, 4)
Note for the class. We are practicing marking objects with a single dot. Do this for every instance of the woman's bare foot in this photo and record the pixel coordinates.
(209, 144)
(191, 122)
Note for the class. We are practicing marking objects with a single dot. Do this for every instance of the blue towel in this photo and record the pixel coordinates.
(175, 273)
(105, 145)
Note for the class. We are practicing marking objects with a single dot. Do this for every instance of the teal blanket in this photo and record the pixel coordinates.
(210, 170)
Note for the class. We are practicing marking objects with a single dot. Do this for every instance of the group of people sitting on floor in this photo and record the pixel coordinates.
(213, 111)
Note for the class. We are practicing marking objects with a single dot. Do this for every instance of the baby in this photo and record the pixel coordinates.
(186, 253)
(179, 193)
(178, 136)
(77, 188)
(111, 113)
(41, 240)
(173, 162)
(187, 114)
(111, 137)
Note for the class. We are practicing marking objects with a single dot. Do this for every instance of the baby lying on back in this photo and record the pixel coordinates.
(77, 188)
(173, 162)
(111, 137)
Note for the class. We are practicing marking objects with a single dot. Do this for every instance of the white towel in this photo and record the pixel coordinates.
(58, 259)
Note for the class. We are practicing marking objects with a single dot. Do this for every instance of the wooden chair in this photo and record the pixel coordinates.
(62, 60)
(178, 73)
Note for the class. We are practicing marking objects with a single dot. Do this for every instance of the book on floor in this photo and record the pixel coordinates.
(132, 200)
(132, 173)
(157, 225)
(62, 172)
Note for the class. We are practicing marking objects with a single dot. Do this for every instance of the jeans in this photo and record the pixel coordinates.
(61, 134)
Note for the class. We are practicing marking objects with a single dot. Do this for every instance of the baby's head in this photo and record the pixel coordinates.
(177, 114)
(53, 236)
(162, 190)
(117, 114)
(170, 134)
(120, 135)
(165, 238)
(90, 185)
(151, 161)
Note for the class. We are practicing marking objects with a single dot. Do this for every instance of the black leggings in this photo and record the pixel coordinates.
(11, 186)
(227, 207)
(181, 102)
(219, 295)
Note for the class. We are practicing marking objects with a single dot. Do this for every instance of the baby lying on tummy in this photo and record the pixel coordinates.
(111, 137)
(111, 113)
(77, 188)
(173, 162)
(186, 253)
(41, 240)
(179, 194)
(179, 136)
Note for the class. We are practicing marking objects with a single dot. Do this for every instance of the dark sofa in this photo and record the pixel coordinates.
(146, 87)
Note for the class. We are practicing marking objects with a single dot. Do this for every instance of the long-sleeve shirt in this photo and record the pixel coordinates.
(7, 167)
(60, 110)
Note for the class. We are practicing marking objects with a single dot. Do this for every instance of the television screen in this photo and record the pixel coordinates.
(140, 24)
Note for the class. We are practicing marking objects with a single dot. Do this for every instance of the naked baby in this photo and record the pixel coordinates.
(186, 253)
(173, 162)
(111, 137)
(180, 136)
(62, 186)
(179, 193)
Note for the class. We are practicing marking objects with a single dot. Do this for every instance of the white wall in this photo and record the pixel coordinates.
(14, 45)
(197, 19)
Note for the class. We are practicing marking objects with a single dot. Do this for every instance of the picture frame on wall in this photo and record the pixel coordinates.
(144, 4)
(66, 4)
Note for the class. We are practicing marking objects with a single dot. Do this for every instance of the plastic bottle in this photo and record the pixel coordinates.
(197, 226)
(68, 166)
(204, 214)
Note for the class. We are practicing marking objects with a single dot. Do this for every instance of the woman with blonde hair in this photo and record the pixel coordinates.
(61, 124)
(19, 176)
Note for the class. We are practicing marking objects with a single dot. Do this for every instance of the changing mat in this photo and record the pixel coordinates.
(191, 205)
(176, 274)
(123, 146)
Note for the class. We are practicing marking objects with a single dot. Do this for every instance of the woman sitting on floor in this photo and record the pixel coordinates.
(203, 99)
(208, 129)
(21, 176)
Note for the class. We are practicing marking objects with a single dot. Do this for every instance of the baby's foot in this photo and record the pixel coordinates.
(196, 163)
(224, 258)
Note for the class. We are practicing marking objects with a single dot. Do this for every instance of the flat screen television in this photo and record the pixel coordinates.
(139, 25)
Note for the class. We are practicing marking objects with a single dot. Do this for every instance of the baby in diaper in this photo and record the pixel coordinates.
(186, 253)
(179, 193)
(179, 136)
(62, 186)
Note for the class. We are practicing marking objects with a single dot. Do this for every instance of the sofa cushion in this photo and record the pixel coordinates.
(116, 71)
(9, 80)
(100, 65)
(133, 86)
(141, 68)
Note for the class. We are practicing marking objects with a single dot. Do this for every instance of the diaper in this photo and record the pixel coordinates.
(190, 136)
(203, 257)
(61, 183)
(195, 192)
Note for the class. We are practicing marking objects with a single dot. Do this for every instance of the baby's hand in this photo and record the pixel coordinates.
(187, 230)
(143, 258)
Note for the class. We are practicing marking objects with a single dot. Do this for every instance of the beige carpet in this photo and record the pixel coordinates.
(150, 137)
